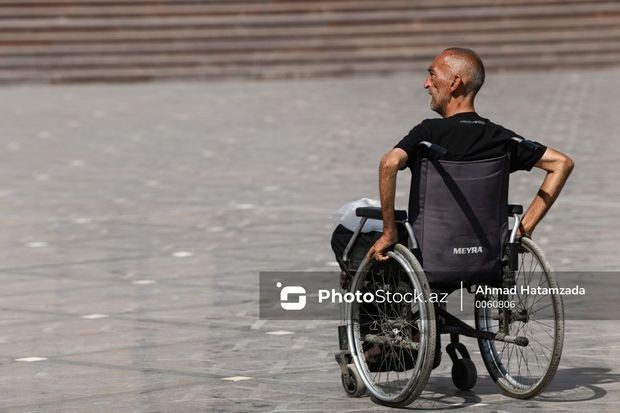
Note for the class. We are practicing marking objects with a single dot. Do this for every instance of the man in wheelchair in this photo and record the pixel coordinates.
(455, 234)
(454, 78)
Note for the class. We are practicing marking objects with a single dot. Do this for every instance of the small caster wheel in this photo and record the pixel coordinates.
(352, 382)
(464, 374)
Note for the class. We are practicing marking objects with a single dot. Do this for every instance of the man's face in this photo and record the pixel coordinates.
(438, 84)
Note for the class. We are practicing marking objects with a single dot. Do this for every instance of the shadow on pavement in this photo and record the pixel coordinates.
(569, 385)
(579, 384)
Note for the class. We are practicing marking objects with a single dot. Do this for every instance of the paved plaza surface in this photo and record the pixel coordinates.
(135, 220)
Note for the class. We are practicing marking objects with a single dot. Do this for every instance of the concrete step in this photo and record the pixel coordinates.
(134, 74)
(215, 45)
(127, 34)
(282, 57)
(193, 8)
(69, 40)
(244, 6)
(457, 14)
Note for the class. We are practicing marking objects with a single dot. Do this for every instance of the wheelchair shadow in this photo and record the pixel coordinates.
(577, 384)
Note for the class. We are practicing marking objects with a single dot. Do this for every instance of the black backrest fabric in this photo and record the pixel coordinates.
(460, 219)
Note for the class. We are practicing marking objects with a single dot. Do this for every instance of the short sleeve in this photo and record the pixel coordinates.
(523, 158)
(410, 143)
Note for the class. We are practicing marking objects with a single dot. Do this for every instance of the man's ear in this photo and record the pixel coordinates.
(457, 82)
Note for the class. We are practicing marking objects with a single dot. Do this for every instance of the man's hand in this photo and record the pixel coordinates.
(383, 243)
(524, 232)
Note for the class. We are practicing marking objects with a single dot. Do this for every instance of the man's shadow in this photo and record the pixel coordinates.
(576, 384)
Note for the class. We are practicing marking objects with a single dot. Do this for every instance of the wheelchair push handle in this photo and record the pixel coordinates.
(529, 145)
(434, 151)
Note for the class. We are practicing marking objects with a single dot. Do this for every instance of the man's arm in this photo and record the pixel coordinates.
(558, 167)
(388, 168)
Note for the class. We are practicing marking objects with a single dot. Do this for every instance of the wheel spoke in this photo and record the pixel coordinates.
(546, 325)
(529, 313)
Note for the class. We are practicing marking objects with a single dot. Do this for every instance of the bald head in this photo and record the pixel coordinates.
(467, 64)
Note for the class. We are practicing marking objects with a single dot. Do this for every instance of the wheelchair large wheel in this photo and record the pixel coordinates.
(392, 343)
(524, 371)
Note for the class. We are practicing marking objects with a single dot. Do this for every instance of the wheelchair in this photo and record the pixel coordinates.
(388, 348)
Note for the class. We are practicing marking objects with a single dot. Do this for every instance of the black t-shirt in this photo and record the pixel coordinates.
(469, 137)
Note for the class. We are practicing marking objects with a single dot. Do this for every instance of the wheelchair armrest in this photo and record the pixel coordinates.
(375, 213)
(515, 209)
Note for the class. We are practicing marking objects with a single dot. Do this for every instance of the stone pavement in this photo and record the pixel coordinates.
(136, 218)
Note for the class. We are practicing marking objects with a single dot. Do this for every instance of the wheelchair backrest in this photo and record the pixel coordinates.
(460, 219)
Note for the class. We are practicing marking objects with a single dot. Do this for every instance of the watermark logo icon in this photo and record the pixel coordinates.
(287, 291)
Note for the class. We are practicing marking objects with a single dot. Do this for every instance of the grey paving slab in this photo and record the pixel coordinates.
(152, 208)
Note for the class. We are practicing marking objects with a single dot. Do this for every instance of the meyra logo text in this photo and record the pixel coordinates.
(467, 250)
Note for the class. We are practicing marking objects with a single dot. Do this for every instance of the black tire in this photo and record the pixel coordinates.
(353, 385)
(539, 318)
(464, 374)
(393, 350)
